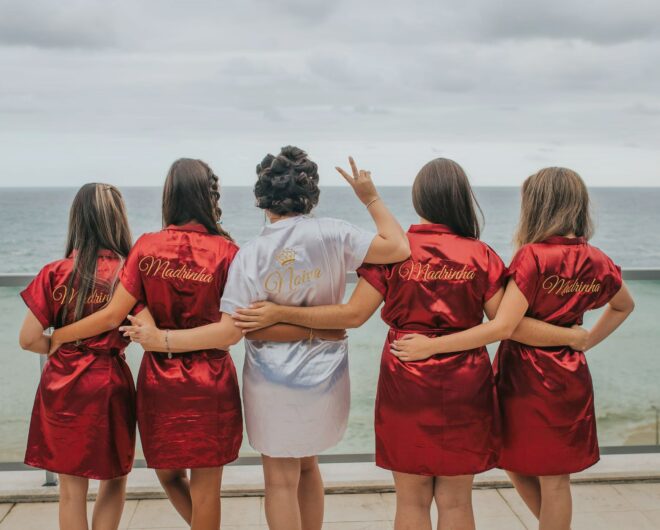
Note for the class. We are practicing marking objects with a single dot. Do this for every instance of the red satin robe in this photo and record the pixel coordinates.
(189, 407)
(436, 417)
(546, 395)
(83, 420)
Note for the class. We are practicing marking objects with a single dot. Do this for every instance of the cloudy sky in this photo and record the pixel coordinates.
(115, 90)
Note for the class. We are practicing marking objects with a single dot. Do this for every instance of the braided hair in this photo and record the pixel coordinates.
(287, 183)
(192, 191)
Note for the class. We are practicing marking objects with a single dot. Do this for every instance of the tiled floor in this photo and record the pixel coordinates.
(596, 507)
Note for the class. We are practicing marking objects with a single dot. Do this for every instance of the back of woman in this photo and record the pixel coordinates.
(83, 420)
(189, 410)
(86, 396)
(303, 261)
(446, 423)
(561, 278)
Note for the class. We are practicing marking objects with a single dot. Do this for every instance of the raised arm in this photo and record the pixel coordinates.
(391, 244)
(618, 309)
(110, 317)
(362, 304)
(32, 337)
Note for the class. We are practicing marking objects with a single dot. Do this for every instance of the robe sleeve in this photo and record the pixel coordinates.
(130, 276)
(376, 276)
(524, 270)
(38, 297)
(496, 273)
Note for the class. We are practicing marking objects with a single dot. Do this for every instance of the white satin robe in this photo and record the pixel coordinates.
(296, 395)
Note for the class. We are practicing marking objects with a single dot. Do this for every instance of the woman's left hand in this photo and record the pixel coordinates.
(144, 333)
(412, 348)
(258, 316)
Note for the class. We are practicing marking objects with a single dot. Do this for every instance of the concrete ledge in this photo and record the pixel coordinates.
(356, 477)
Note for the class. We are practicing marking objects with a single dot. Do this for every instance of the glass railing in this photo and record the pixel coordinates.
(625, 371)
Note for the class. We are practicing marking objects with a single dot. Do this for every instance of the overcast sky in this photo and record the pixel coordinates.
(116, 90)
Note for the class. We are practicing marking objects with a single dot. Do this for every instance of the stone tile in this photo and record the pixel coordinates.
(357, 508)
(358, 525)
(32, 516)
(611, 521)
(653, 516)
(596, 498)
(129, 510)
(489, 503)
(155, 514)
(507, 522)
(242, 511)
(4, 510)
(519, 508)
(641, 496)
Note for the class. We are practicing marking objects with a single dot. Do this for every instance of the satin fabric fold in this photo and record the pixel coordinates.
(436, 417)
(546, 394)
(188, 406)
(83, 419)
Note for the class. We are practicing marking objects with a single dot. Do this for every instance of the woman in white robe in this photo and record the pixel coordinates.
(296, 394)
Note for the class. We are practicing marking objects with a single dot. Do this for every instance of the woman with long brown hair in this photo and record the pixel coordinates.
(436, 419)
(189, 409)
(545, 393)
(83, 420)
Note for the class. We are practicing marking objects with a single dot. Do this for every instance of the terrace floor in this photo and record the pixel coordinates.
(621, 492)
(634, 506)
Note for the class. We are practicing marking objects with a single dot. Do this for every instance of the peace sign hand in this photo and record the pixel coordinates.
(360, 181)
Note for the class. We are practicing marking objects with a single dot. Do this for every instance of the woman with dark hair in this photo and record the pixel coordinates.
(83, 420)
(435, 419)
(189, 409)
(296, 395)
(545, 393)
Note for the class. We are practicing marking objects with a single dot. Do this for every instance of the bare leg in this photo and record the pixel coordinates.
(453, 496)
(310, 494)
(414, 494)
(529, 489)
(205, 493)
(556, 503)
(73, 502)
(282, 478)
(109, 504)
(177, 487)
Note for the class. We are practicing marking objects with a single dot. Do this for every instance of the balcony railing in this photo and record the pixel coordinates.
(625, 370)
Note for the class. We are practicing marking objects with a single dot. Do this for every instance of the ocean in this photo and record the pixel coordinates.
(625, 369)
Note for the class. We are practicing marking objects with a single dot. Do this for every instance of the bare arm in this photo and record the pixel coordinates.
(538, 333)
(219, 335)
(391, 244)
(110, 317)
(363, 303)
(32, 337)
(511, 311)
(615, 313)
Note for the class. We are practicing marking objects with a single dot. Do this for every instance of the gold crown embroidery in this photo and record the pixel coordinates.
(286, 256)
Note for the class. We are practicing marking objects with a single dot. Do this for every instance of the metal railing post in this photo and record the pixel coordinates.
(51, 478)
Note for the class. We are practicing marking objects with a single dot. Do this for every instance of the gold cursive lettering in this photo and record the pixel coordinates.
(561, 286)
(416, 271)
(153, 266)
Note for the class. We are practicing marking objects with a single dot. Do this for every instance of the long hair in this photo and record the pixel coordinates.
(192, 192)
(97, 221)
(555, 201)
(442, 194)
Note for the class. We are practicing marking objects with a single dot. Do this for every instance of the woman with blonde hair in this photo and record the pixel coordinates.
(545, 393)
